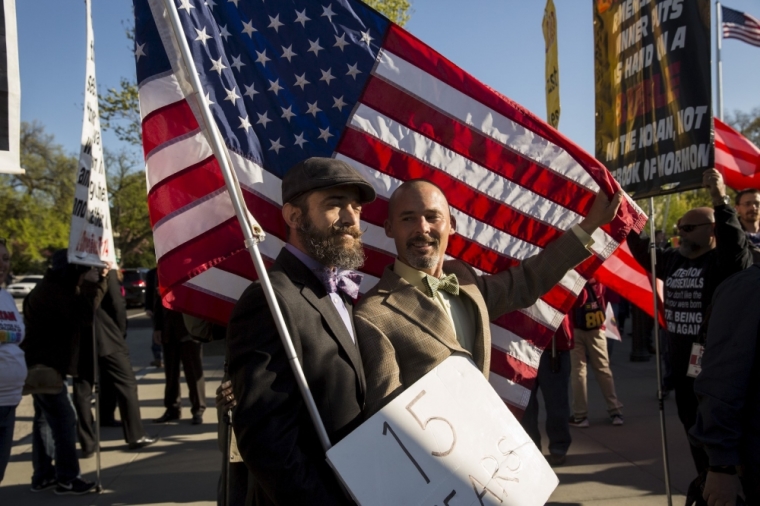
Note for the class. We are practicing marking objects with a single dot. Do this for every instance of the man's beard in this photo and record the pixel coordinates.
(420, 261)
(689, 247)
(328, 247)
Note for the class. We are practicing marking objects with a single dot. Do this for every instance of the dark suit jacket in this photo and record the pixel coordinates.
(275, 435)
(54, 313)
(110, 323)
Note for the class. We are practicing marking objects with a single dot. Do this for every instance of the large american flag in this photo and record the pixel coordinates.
(293, 79)
(738, 25)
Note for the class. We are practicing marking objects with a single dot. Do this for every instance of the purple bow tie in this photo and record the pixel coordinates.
(344, 280)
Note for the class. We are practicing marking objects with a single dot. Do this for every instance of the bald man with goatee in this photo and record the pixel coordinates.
(424, 309)
(712, 247)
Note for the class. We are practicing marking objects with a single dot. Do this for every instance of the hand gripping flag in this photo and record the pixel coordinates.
(288, 80)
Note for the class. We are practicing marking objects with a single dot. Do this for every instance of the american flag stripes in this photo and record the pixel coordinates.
(291, 79)
(736, 158)
(738, 25)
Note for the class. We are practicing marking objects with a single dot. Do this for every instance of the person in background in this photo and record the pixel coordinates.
(108, 329)
(728, 389)
(747, 205)
(660, 239)
(151, 294)
(179, 349)
(54, 313)
(712, 248)
(12, 363)
(587, 318)
(553, 379)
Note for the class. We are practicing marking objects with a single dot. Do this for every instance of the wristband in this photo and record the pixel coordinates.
(723, 469)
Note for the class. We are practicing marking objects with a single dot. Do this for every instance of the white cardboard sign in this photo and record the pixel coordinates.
(448, 439)
(91, 238)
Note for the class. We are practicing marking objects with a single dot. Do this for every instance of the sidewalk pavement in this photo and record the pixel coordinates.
(606, 464)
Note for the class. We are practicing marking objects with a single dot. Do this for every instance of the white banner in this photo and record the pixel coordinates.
(446, 440)
(610, 325)
(91, 238)
(10, 91)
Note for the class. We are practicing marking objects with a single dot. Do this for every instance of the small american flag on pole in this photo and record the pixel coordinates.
(292, 79)
(738, 25)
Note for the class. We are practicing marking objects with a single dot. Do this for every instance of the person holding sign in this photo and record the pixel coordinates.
(424, 309)
(314, 283)
(588, 331)
(713, 246)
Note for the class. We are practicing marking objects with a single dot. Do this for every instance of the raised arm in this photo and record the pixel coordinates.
(521, 285)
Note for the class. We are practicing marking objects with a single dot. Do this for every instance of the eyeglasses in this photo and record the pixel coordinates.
(690, 228)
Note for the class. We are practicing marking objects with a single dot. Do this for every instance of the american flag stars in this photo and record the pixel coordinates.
(293, 65)
(248, 28)
(287, 52)
(314, 47)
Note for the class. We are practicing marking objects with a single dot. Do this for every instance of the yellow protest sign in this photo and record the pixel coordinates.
(549, 26)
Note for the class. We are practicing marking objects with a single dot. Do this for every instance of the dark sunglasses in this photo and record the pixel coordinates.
(690, 228)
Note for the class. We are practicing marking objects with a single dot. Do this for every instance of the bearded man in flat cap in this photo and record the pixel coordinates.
(315, 286)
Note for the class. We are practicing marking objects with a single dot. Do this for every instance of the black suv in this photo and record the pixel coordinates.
(134, 286)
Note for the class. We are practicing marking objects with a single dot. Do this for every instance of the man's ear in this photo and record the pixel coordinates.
(453, 222)
(292, 215)
(387, 225)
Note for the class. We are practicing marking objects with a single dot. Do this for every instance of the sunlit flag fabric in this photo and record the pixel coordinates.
(288, 80)
(736, 158)
(738, 25)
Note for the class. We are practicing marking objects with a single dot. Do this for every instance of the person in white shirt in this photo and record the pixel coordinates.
(12, 363)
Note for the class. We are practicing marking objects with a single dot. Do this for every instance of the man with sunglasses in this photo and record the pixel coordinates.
(712, 247)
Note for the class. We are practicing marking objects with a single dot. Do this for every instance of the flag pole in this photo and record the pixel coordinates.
(718, 62)
(656, 334)
(247, 222)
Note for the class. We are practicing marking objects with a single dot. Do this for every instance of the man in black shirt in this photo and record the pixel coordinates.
(713, 246)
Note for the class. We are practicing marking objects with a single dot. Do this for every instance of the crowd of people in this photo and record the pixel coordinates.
(358, 356)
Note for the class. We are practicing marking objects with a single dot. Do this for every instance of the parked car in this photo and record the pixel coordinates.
(22, 287)
(134, 286)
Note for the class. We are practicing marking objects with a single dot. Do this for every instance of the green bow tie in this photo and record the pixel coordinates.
(449, 284)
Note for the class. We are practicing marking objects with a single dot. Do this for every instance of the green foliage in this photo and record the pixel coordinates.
(120, 112)
(397, 11)
(36, 206)
(127, 192)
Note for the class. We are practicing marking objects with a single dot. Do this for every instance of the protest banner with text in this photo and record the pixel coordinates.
(653, 94)
(91, 238)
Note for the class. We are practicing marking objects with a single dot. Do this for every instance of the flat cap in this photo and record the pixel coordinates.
(321, 173)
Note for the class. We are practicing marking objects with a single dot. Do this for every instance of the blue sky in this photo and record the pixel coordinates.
(498, 41)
